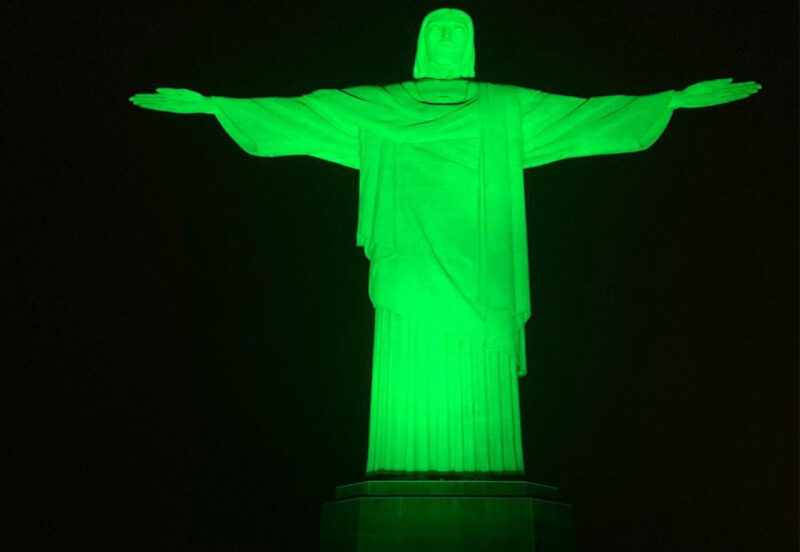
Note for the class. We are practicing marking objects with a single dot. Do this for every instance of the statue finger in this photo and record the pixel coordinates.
(739, 88)
(153, 107)
(156, 104)
(143, 96)
(737, 98)
(702, 100)
(746, 91)
(732, 98)
(170, 91)
(751, 84)
(139, 100)
(722, 98)
(155, 100)
(734, 88)
(729, 84)
(747, 84)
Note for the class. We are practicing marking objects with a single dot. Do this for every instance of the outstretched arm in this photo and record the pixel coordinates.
(556, 127)
(714, 92)
(320, 124)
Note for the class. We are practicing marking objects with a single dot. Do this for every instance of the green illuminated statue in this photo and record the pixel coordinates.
(442, 221)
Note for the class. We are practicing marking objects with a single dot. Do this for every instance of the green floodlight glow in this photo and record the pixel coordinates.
(442, 221)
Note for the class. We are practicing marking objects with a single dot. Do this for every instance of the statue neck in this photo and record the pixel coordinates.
(446, 91)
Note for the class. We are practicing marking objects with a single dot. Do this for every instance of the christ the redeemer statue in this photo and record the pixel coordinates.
(442, 221)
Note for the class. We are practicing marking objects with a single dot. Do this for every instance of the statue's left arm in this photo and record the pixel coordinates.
(556, 127)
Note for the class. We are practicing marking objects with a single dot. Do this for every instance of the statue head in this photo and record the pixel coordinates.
(446, 46)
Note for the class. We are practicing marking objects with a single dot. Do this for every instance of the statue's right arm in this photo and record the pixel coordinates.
(175, 100)
(183, 100)
(320, 124)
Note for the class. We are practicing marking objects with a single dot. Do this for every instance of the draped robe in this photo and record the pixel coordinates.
(442, 221)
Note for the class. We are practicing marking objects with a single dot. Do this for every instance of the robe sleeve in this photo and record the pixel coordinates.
(556, 127)
(313, 124)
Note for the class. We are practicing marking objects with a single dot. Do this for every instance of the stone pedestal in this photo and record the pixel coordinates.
(426, 515)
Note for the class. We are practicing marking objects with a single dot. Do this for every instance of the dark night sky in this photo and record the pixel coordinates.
(192, 334)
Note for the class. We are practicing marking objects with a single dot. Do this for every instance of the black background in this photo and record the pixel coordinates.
(190, 353)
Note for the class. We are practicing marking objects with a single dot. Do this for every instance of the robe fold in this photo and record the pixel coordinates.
(442, 221)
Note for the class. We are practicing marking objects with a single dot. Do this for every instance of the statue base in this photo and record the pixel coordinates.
(427, 515)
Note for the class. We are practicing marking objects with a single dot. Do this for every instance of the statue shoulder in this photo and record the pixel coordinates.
(526, 98)
(369, 92)
(365, 91)
(520, 91)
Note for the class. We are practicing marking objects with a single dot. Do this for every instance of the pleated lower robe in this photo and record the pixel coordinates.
(440, 404)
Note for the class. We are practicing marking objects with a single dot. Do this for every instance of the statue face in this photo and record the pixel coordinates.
(445, 46)
(445, 40)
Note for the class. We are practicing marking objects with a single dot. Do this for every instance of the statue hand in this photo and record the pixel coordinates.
(175, 100)
(714, 92)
